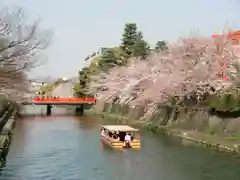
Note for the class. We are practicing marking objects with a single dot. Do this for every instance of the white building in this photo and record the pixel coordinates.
(36, 84)
(90, 57)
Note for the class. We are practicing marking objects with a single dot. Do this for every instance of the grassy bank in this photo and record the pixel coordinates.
(199, 127)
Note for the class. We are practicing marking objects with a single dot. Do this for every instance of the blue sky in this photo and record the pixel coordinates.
(80, 27)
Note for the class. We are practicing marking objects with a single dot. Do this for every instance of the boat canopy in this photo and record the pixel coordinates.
(120, 128)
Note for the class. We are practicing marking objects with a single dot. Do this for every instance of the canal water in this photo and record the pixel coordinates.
(68, 148)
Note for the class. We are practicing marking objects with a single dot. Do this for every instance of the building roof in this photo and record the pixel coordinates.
(123, 128)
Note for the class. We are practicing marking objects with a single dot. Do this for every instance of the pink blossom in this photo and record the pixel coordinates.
(192, 64)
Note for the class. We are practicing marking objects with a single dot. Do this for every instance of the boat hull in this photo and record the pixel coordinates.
(135, 144)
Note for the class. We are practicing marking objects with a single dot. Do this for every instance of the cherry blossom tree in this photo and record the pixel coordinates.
(192, 65)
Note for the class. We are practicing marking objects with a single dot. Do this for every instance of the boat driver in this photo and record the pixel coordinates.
(128, 138)
(116, 136)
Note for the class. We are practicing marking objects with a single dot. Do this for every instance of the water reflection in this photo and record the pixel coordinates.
(87, 122)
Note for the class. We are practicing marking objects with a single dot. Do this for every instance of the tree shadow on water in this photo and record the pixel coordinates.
(87, 122)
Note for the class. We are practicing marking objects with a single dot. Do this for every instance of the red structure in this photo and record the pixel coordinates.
(65, 100)
(235, 38)
(80, 103)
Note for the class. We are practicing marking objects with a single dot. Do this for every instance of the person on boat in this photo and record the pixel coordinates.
(128, 138)
(116, 136)
(102, 132)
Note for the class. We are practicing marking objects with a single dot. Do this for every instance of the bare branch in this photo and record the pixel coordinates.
(21, 45)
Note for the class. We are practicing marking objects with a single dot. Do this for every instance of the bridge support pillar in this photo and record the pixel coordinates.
(79, 110)
(49, 110)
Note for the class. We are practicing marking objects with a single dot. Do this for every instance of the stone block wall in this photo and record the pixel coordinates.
(195, 120)
(7, 123)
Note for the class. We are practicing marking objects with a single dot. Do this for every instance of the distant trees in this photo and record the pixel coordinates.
(46, 89)
(21, 44)
(161, 46)
(132, 45)
(140, 48)
(81, 87)
(108, 59)
(129, 38)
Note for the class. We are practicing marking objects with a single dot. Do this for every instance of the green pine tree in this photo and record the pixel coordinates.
(140, 49)
(161, 46)
(130, 36)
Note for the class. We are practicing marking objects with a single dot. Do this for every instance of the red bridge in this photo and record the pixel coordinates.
(66, 101)
(62, 101)
(78, 102)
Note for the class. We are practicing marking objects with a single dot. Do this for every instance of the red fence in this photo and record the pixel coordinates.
(80, 100)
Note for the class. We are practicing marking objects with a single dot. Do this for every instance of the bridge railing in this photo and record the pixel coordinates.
(58, 99)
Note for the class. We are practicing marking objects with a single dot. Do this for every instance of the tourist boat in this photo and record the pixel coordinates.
(114, 136)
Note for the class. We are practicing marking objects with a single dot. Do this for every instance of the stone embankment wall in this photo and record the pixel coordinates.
(195, 125)
(129, 113)
(7, 122)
